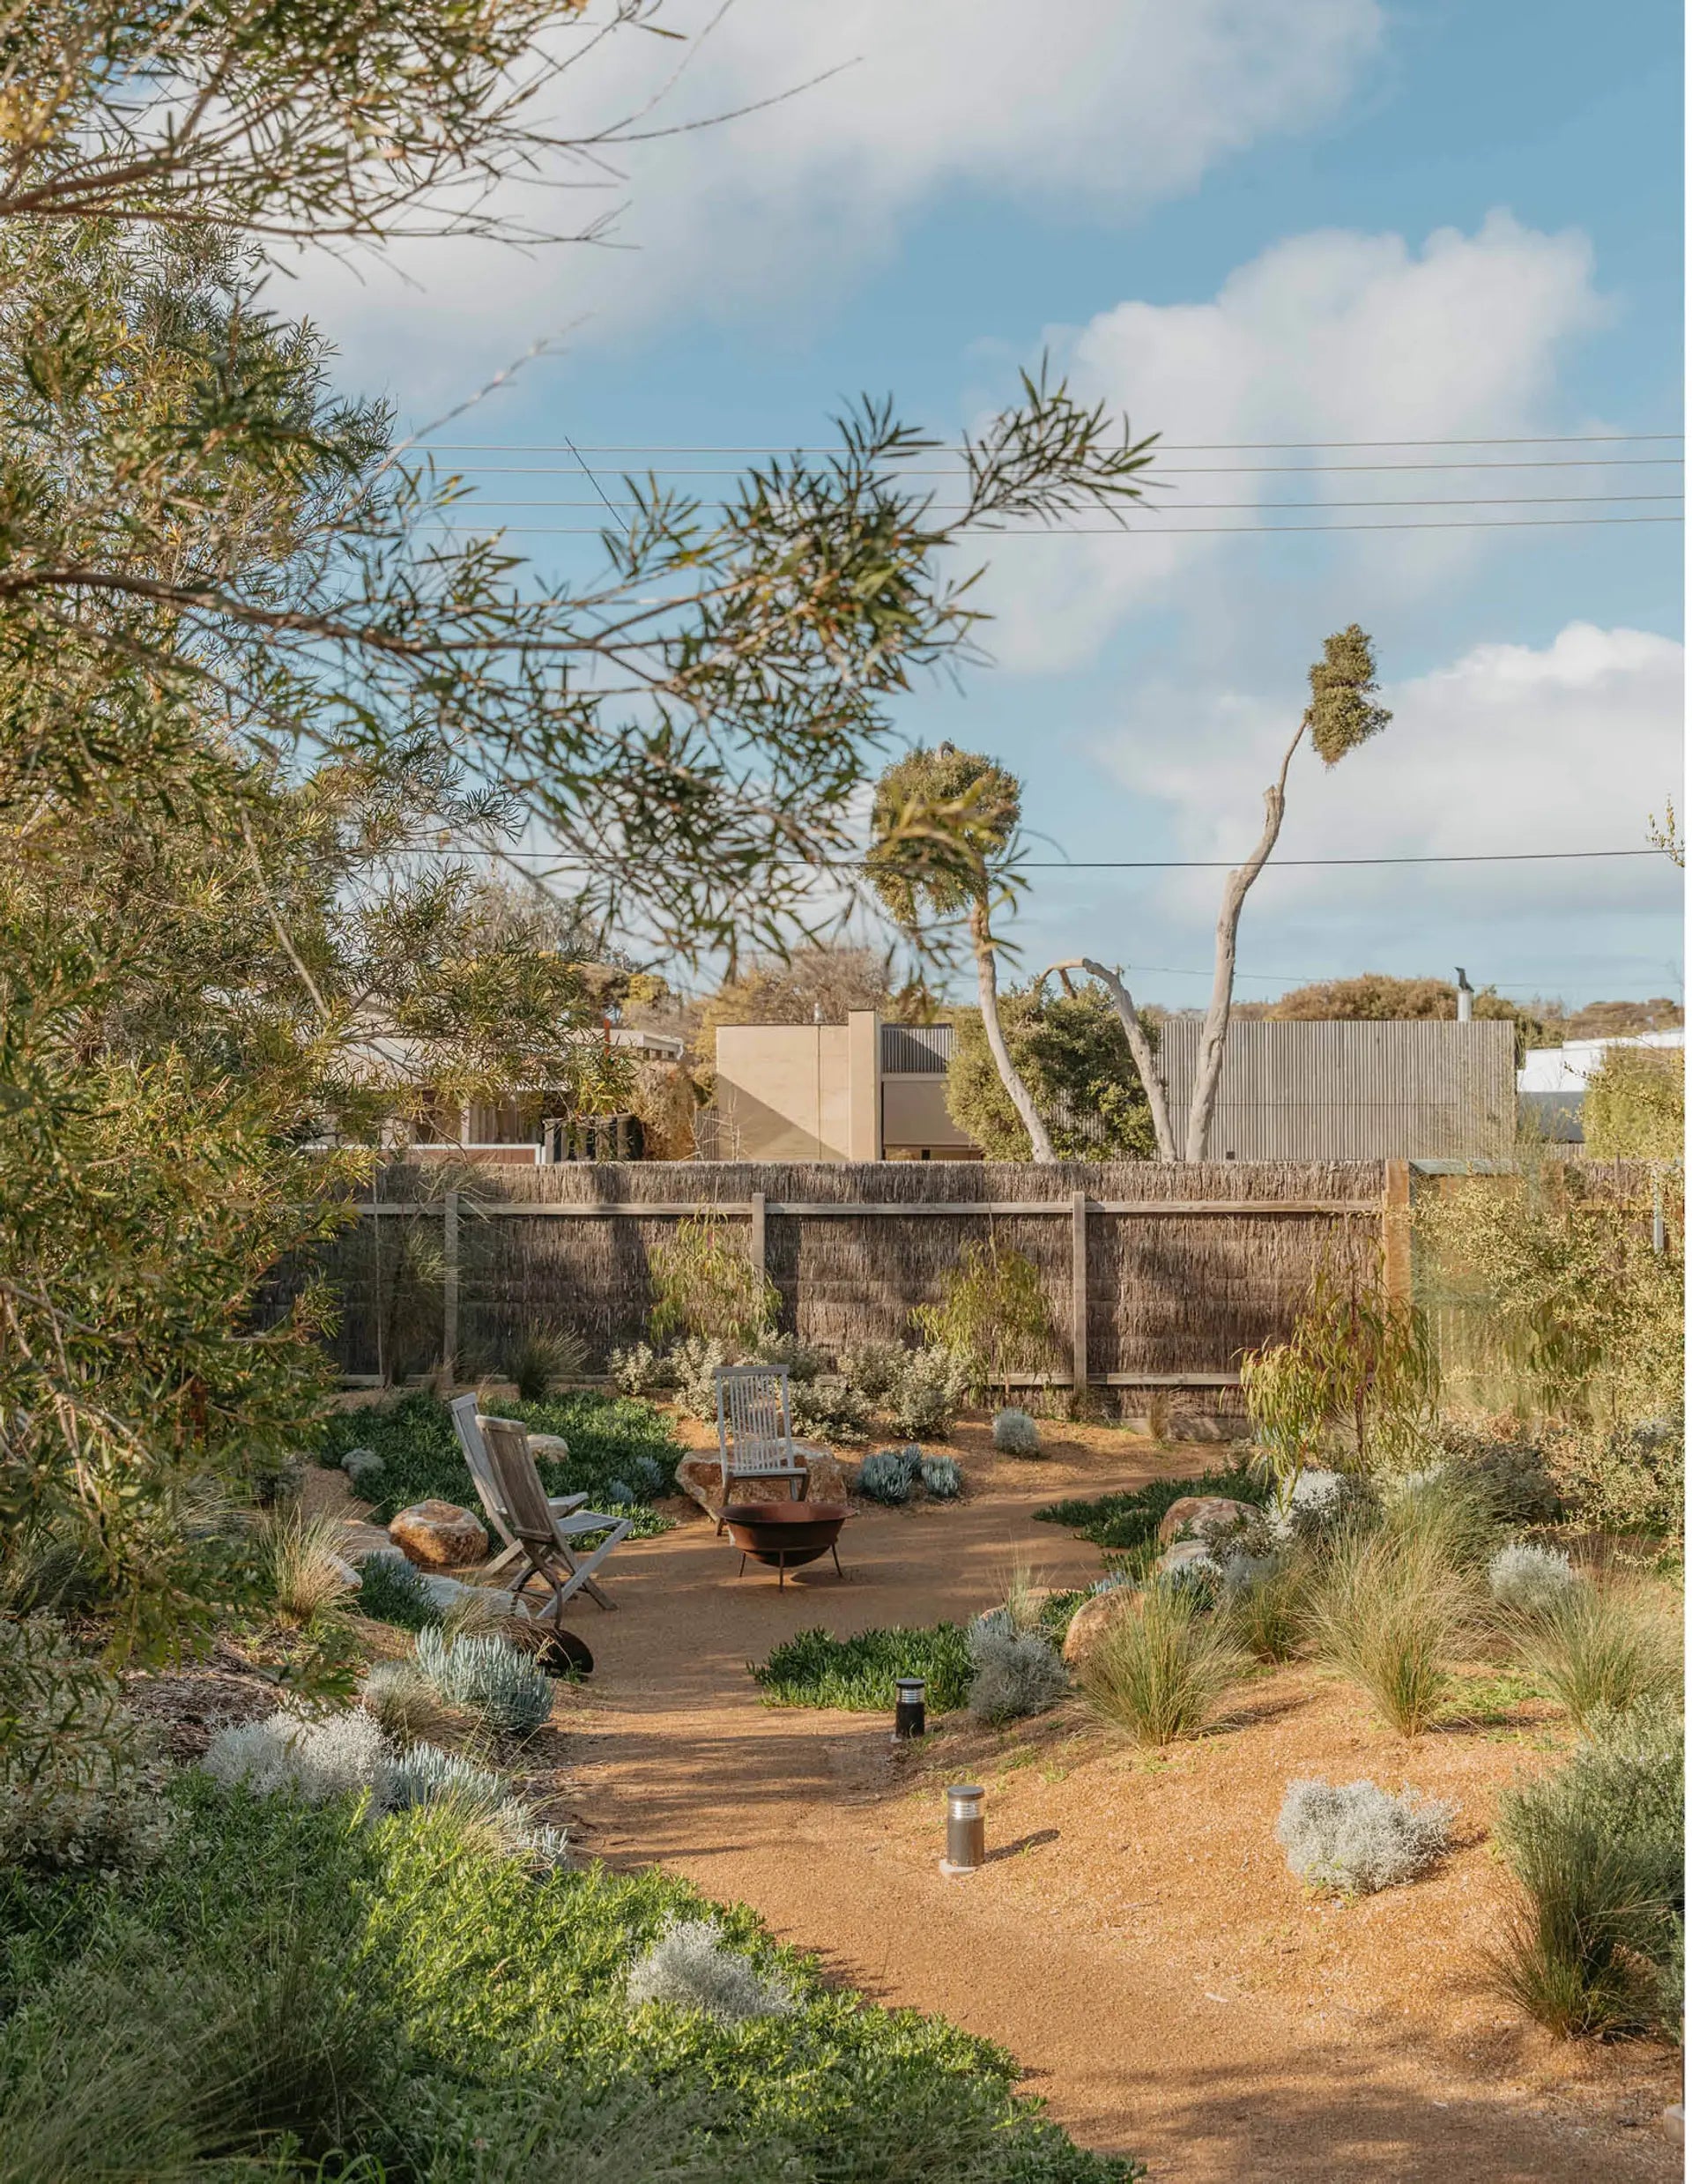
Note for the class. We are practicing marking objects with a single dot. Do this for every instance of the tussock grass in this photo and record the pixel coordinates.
(1159, 1671)
(1268, 1613)
(1600, 1646)
(1390, 1612)
(304, 1562)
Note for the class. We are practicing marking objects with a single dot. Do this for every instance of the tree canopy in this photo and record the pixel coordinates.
(1072, 1054)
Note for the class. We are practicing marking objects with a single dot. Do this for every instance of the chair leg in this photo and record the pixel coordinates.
(741, 1571)
(834, 1551)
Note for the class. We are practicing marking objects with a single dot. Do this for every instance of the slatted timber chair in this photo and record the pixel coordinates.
(468, 1423)
(754, 1431)
(545, 1538)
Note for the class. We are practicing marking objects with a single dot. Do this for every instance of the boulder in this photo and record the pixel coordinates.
(700, 1476)
(1193, 1509)
(553, 1446)
(1093, 1618)
(1182, 1552)
(439, 1535)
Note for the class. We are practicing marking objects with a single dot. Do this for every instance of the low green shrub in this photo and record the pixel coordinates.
(611, 1439)
(1159, 1670)
(391, 1590)
(293, 1986)
(1116, 1522)
(1506, 1469)
(815, 1668)
(1597, 1942)
(1600, 1647)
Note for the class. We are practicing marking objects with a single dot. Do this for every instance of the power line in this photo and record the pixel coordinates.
(949, 508)
(1176, 447)
(1178, 470)
(1147, 864)
(1167, 531)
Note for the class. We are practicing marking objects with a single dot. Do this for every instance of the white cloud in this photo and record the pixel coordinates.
(1509, 747)
(1332, 336)
(1119, 102)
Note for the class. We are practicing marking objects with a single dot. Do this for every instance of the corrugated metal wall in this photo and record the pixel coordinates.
(1352, 1091)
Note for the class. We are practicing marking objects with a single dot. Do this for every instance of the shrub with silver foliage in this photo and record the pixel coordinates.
(691, 1966)
(1016, 1672)
(885, 1476)
(642, 1371)
(488, 1677)
(1356, 1837)
(942, 1477)
(874, 1368)
(828, 1410)
(313, 1760)
(694, 1363)
(1015, 1434)
(1530, 1579)
(926, 1393)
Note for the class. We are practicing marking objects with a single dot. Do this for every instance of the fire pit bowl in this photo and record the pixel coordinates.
(785, 1535)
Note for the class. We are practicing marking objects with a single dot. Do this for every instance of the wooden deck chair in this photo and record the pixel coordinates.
(544, 1537)
(754, 1431)
(468, 1423)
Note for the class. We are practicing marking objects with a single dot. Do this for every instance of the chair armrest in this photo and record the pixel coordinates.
(565, 1505)
(595, 1520)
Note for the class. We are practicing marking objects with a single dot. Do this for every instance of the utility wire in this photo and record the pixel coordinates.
(1164, 530)
(1176, 447)
(1150, 864)
(1188, 470)
(1176, 508)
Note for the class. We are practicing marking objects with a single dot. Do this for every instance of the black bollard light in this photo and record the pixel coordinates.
(910, 1710)
(966, 1831)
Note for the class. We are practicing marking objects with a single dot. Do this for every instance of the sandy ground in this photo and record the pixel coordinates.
(1135, 1938)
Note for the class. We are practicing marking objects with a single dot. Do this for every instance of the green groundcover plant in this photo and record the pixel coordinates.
(815, 1668)
(615, 1441)
(313, 1994)
(1120, 1523)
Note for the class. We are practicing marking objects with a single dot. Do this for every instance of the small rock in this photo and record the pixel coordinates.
(1091, 1619)
(1193, 1509)
(1182, 1553)
(347, 1574)
(360, 1463)
(439, 1535)
(1675, 2124)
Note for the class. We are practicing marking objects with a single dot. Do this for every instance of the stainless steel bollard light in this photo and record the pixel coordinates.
(966, 1831)
(910, 1711)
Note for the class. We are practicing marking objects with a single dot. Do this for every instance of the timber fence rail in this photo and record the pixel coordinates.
(1155, 1276)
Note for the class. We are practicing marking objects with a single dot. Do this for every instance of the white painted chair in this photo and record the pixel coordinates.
(468, 1422)
(754, 1431)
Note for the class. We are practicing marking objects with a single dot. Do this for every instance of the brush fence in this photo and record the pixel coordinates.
(1156, 1277)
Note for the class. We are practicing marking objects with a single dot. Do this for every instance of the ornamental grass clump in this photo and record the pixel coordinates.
(691, 1966)
(1159, 1670)
(1354, 1837)
(1389, 1611)
(309, 1575)
(489, 1678)
(1595, 1944)
(1267, 1603)
(400, 1698)
(1015, 1433)
(1530, 1581)
(1601, 1647)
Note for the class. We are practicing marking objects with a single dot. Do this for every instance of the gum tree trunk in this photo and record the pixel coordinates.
(987, 984)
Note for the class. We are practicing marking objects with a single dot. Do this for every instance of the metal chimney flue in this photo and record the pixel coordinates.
(1464, 997)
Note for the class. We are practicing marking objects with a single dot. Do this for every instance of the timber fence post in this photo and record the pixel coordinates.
(1078, 1290)
(1395, 1232)
(449, 1285)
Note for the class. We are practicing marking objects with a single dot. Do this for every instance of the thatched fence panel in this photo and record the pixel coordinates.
(1155, 1275)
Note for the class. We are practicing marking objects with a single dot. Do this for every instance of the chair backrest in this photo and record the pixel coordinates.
(753, 1428)
(470, 1439)
(517, 1483)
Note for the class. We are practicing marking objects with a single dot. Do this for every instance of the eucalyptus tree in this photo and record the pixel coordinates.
(229, 596)
(1342, 714)
(943, 828)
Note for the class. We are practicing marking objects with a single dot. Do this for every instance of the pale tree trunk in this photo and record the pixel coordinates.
(1139, 1046)
(987, 983)
(1213, 1040)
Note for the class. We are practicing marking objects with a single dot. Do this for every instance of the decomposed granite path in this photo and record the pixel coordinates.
(1135, 1939)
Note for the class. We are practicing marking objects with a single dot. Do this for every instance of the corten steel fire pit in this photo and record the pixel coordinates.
(785, 1535)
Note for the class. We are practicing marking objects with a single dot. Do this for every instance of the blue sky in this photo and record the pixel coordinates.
(1303, 220)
